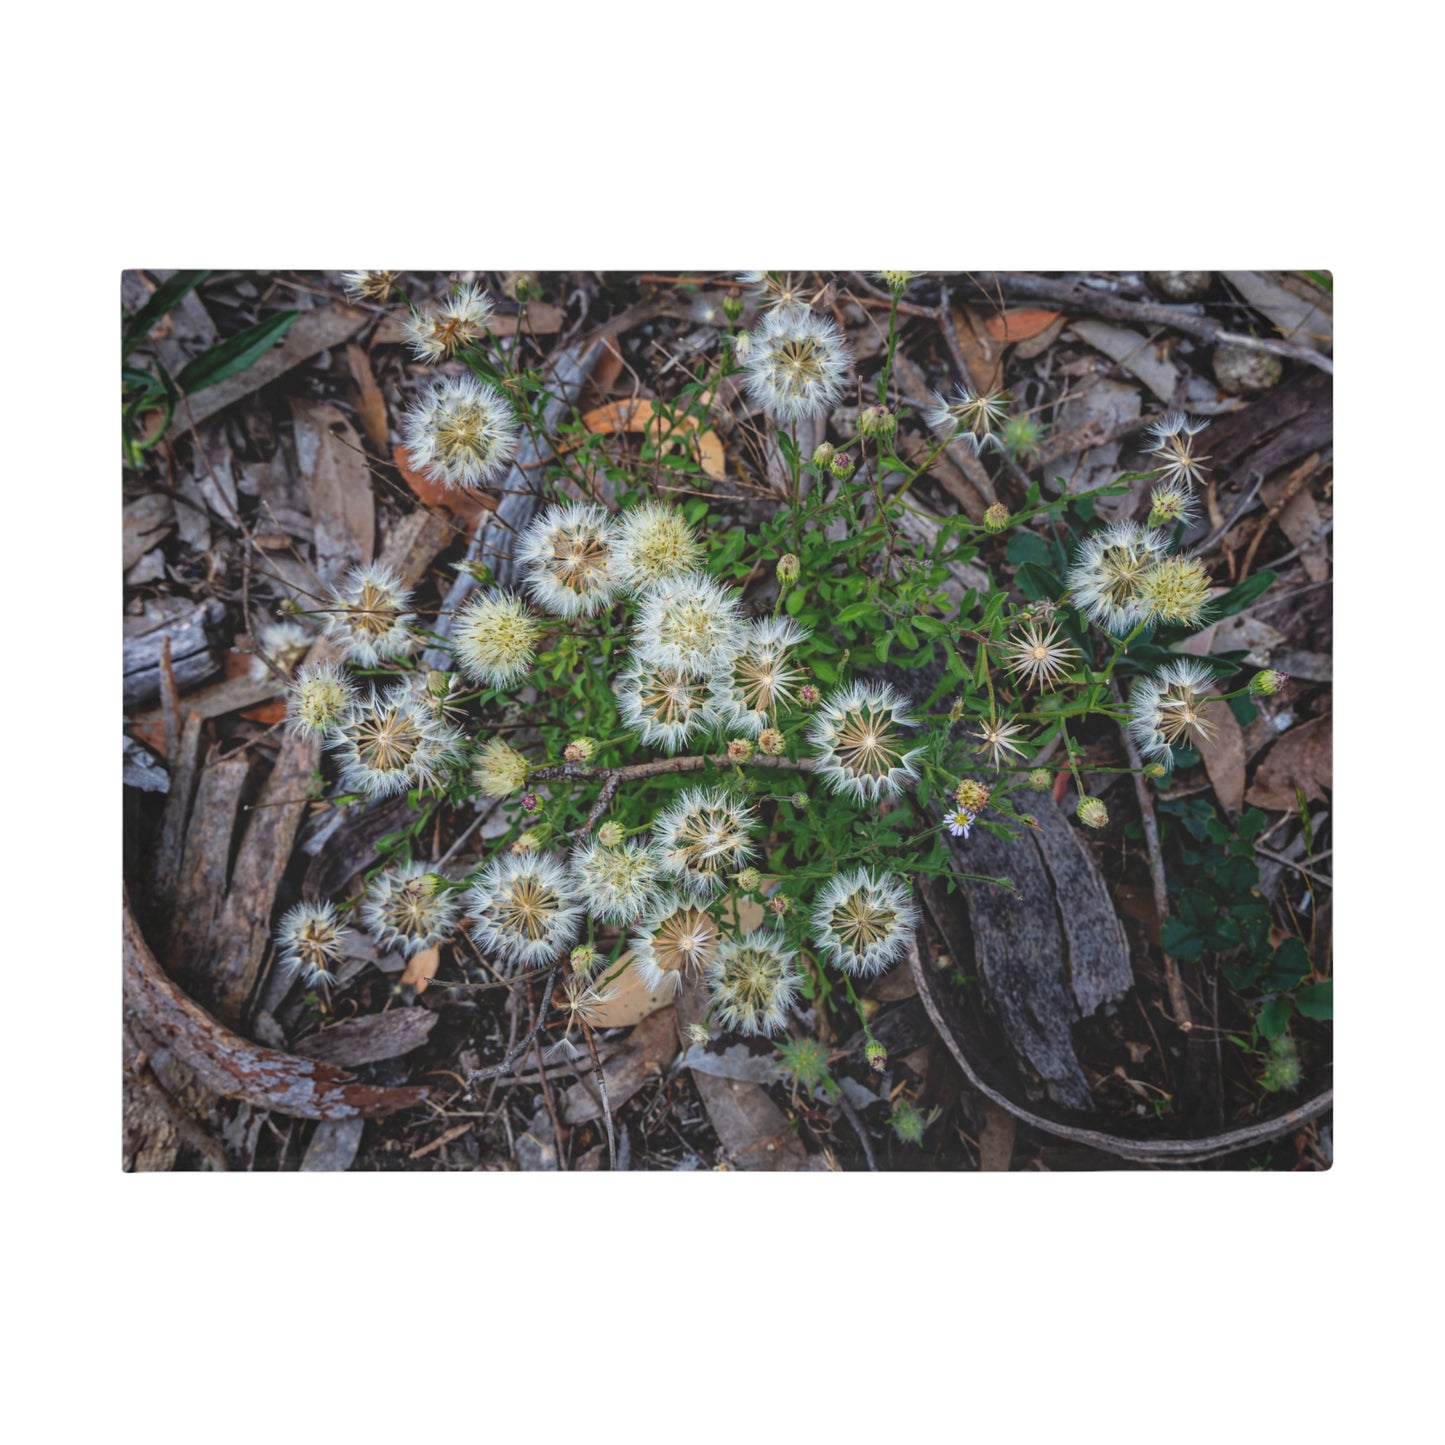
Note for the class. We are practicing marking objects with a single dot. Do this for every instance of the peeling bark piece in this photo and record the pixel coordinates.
(1295, 317)
(193, 658)
(144, 522)
(369, 1039)
(333, 1146)
(140, 768)
(162, 1018)
(1137, 354)
(338, 488)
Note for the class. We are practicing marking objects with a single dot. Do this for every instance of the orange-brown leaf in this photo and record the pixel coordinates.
(1019, 325)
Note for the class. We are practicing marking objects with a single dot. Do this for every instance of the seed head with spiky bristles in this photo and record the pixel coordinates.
(407, 908)
(1175, 590)
(653, 544)
(972, 417)
(390, 742)
(776, 289)
(455, 324)
(692, 623)
(858, 734)
(664, 706)
(1170, 709)
(996, 739)
(566, 556)
(462, 433)
(754, 980)
(1104, 580)
(763, 677)
(863, 920)
(524, 908)
(319, 698)
(796, 364)
(1172, 437)
(702, 838)
(369, 616)
(500, 770)
(1171, 502)
(1038, 656)
(495, 637)
(896, 281)
(616, 883)
(308, 940)
(369, 285)
(285, 644)
(583, 1007)
(675, 939)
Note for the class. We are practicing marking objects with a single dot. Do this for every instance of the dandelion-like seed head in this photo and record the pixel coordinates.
(702, 838)
(754, 980)
(676, 940)
(972, 794)
(653, 544)
(771, 742)
(796, 364)
(997, 740)
(1171, 502)
(524, 908)
(1110, 565)
(692, 623)
(1170, 710)
(859, 740)
(863, 920)
(763, 677)
(616, 883)
(583, 1006)
(495, 637)
(450, 327)
(369, 615)
(1172, 437)
(1038, 656)
(390, 742)
(776, 289)
(567, 555)
(1175, 590)
(285, 643)
(406, 909)
(319, 698)
(461, 433)
(308, 940)
(500, 770)
(973, 417)
(1092, 812)
(664, 706)
(369, 285)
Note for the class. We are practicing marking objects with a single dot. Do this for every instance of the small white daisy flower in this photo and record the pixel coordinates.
(616, 883)
(692, 623)
(754, 981)
(677, 939)
(1170, 710)
(763, 677)
(566, 554)
(390, 742)
(407, 908)
(653, 544)
(450, 327)
(702, 838)
(494, 638)
(1104, 580)
(461, 433)
(525, 909)
(859, 740)
(796, 364)
(319, 698)
(664, 706)
(369, 615)
(863, 920)
(308, 940)
(285, 643)
(960, 821)
(1172, 437)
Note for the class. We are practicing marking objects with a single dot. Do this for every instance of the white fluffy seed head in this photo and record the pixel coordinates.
(442, 331)
(763, 677)
(390, 742)
(863, 920)
(858, 735)
(702, 838)
(405, 909)
(796, 364)
(1105, 578)
(285, 643)
(319, 698)
(692, 623)
(617, 883)
(308, 941)
(524, 909)
(653, 544)
(1171, 710)
(369, 616)
(676, 939)
(462, 433)
(664, 706)
(754, 980)
(494, 637)
(500, 770)
(567, 556)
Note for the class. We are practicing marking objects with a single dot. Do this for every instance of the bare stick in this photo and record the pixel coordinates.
(606, 1102)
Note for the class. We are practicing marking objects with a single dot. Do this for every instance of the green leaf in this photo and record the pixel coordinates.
(1317, 1000)
(1238, 598)
(1027, 547)
(166, 295)
(1274, 1017)
(1291, 963)
(233, 356)
(855, 610)
(1037, 582)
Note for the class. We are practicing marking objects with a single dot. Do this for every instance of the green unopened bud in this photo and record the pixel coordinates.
(823, 456)
(439, 684)
(739, 750)
(1283, 1069)
(877, 421)
(908, 1123)
(1092, 812)
(779, 905)
(732, 307)
(1041, 780)
(956, 711)
(971, 795)
(1155, 770)
(770, 742)
(579, 750)
(996, 518)
(799, 800)
(583, 958)
(431, 884)
(749, 879)
(1267, 682)
(789, 569)
(479, 572)
(876, 1055)
(529, 841)
(841, 466)
(611, 834)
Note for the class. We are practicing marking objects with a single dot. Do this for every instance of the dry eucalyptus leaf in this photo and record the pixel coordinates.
(421, 968)
(631, 999)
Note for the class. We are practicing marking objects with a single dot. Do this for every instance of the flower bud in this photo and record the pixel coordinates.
(770, 742)
(1155, 770)
(876, 1055)
(779, 905)
(530, 802)
(528, 842)
(583, 958)
(809, 695)
(1092, 812)
(439, 684)
(799, 801)
(610, 834)
(823, 456)
(789, 569)
(841, 466)
(956, 711)
(1041, 780)
(749, 879)
(579, 750)
(972, 795)
(877, 421)
(996, 518)
(739, 750)
(732, 307)
(1264, 684)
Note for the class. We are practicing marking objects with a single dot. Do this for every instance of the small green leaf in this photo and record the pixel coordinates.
(233, 356)
(1274, 1017)
(1238, 598)
(166, 295)
(1027, 547)
(1317, 1000)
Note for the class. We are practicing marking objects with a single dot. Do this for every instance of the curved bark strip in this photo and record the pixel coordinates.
(161, 1015)
(1141, 1151)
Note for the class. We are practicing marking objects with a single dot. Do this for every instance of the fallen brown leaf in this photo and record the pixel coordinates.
(631, 1000)
(338, 487)
(1223, 756)
(643, 415)
(421, 968)
(466, 503)
(371, 404)
(1302, 758)
(1019, 325)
